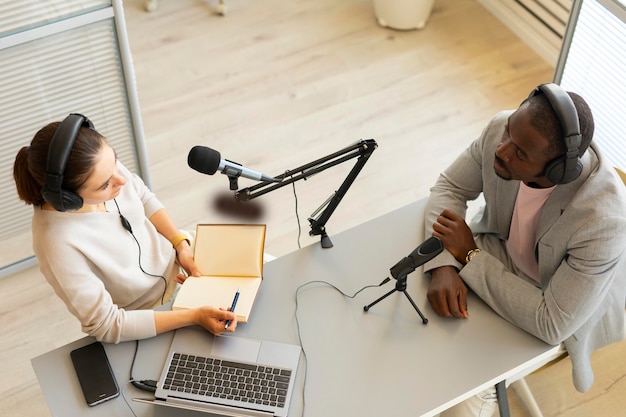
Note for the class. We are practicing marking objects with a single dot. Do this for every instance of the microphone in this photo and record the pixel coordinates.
(426, 251)
(208, 161)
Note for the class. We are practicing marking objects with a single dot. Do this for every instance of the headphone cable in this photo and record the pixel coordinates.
(126, 225)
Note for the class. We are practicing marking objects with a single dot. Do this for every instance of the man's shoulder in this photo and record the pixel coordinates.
(501, 117)
(493, 130)
(603, 191)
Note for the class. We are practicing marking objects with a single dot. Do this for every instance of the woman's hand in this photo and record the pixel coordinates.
(214, 319)
(184, 255)
(211, 318)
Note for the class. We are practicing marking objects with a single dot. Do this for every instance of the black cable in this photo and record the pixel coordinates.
(127, 226)
(145, 384)
(126, 399)
(295, 196)
(149, 274)
(149, 385)
(298, 324)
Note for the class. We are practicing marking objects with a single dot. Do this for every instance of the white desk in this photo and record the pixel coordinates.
(380, 362)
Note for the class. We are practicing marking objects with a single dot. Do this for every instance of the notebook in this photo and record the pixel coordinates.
(227, 375)
(230, 258)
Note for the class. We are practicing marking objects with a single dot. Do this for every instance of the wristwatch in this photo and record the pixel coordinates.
(470, 255)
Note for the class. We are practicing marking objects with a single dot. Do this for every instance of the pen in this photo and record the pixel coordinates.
(232, 307)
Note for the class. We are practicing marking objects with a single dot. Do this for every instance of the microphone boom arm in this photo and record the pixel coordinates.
(362, 149)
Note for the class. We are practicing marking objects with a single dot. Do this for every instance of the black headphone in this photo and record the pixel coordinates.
(58, 153)
(568, 167)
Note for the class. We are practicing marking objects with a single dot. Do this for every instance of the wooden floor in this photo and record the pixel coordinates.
(276, 84)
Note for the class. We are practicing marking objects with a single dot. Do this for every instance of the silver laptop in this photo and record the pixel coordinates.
(227, 375)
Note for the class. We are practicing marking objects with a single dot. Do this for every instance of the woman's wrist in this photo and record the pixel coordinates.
(178, 239)
(182, 245)
(196, 314)
(183, 250)
(166, 321)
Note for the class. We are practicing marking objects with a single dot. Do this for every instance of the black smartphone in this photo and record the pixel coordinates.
(94, 373)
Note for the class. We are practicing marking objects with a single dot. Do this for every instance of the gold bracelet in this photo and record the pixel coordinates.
(179, 238)
(470, 255)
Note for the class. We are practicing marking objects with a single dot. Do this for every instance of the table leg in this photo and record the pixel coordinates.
(503, 400)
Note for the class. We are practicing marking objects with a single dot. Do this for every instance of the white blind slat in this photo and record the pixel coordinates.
(25, 14)
(550, 12)
(594, 67)
(540, 23)
(43, 80)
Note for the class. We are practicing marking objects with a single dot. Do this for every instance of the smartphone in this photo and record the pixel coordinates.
(94, 373)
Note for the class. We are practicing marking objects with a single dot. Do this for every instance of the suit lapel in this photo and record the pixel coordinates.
(560, 198)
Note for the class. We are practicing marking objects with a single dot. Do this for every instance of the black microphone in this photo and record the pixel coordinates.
(426, 251)
(208, 161)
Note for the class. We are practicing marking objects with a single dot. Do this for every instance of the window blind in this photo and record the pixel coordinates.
(592, 63)
(539, 23)
(20, 15)
(60, 57)
(551, 13)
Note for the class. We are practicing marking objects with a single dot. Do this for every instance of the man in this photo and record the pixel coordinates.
(547, 250)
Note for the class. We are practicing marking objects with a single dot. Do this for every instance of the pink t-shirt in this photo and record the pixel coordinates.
(521, 242)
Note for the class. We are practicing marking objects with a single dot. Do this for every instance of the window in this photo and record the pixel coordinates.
(592, 63)
(59, 57)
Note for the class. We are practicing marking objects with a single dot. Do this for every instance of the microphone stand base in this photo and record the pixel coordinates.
(400, 287)
(325, 241)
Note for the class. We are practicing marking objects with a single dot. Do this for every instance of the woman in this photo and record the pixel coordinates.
(103, 240)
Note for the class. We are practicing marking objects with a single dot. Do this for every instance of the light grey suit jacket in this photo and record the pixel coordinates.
(580, 247)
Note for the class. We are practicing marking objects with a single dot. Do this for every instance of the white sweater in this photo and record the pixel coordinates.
(92, 263)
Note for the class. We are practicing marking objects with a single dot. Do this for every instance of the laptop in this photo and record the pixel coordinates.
(227, 375)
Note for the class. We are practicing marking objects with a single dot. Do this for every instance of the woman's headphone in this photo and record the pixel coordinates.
(568, 167)
(58, 152)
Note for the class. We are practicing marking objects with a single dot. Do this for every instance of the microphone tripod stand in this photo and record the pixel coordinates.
(400, 287)
(426, 251)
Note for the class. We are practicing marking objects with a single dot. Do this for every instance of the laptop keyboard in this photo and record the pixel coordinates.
(217, 378)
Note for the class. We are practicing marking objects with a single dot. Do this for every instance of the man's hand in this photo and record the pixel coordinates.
(455, 234)
(447, 293)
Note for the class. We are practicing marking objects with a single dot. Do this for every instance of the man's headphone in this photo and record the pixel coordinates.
(568, 167)
(58, 153)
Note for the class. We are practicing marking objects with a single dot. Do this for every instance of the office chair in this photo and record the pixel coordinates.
(152, 5)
